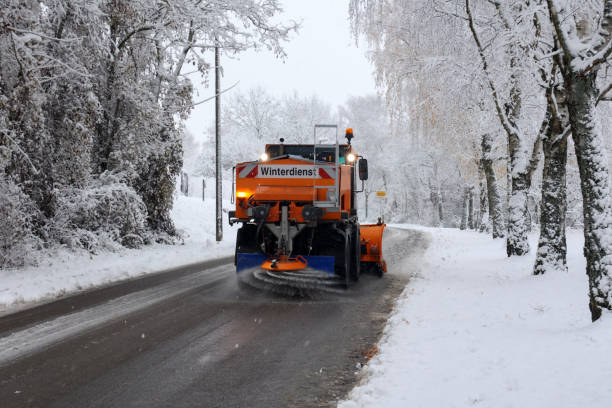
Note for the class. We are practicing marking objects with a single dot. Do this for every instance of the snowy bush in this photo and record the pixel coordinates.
(105, 213)
(17, 215)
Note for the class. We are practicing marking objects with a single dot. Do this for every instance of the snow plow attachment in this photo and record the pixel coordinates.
(371, 248)
(303, 276)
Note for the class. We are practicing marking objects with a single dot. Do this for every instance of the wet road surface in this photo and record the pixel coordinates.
(195, 337)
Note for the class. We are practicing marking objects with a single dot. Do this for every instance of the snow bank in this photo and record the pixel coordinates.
(70, 271)
(474, 328)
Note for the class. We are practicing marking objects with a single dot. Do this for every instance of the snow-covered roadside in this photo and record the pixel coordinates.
(474, 328)
(69, 272)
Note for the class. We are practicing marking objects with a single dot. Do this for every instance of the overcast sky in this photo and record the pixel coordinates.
(322, 59)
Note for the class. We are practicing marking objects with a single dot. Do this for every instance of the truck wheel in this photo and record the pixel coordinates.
(245, 240)
(347, 259)
(355, 254)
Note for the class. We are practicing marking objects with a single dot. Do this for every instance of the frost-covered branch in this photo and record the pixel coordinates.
(46, 37)
(184, 51)
(508, 127)
(599, 48)
(561, 35)
(59, 63)
(603, 95)
(599, 58)
(129, 35)
(24, 154)
(210, 98)
(500, 12)
(549, 55)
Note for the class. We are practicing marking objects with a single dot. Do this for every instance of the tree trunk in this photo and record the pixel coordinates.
(594, 182)
(483, 213)
(471, 208)
(436, 201)
(517, 243)
(440, 211)
(518, 170)
(495, 203)
(552, 248)
(465, 210)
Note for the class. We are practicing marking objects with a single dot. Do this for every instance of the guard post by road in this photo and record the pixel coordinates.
(382, 196)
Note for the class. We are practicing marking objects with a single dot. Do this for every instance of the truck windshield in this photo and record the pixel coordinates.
(306, 151)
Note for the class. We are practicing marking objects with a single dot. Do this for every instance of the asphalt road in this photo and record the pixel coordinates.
(194, 337)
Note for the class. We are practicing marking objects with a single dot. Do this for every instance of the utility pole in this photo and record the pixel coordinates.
(218, 172)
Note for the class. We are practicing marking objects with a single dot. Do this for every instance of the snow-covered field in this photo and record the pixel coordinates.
(67, 271)
(476, 329)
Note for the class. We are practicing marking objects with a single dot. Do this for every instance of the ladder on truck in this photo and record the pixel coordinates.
(332, 201)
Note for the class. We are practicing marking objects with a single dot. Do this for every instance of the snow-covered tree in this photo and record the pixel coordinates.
(424, 62)
(583, 36)
(96, 91)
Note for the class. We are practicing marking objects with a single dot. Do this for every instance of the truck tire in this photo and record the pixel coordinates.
(347, 259)
(245, 240)
(355, 254)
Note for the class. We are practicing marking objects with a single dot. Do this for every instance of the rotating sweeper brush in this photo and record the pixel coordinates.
(300, 230)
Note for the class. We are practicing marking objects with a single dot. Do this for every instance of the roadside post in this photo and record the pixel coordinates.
(382, 195)
(218, 172)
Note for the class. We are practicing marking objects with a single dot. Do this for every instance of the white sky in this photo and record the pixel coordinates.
(322, 59)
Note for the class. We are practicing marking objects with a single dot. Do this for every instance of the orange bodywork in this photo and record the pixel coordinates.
(253, 187)
(291, 181)
(371, 237)
(285, 264)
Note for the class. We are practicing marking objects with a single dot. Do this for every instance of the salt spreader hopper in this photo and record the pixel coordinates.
(297, 206)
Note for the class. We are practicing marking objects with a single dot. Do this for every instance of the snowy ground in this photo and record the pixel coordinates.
(69, 272)
(475, 329)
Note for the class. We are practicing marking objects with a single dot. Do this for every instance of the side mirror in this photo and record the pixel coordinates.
(363, 169)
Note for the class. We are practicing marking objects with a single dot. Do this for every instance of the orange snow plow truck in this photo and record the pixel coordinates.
(297, 206)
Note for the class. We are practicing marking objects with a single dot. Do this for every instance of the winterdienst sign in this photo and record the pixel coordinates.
(284, 171)
(256, 170)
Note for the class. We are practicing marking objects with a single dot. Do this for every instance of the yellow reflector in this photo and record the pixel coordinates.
(381, 194)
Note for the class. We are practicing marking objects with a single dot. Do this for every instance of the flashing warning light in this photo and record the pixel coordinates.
(350, 157)
(241, 194)
(349, 135)
(264, 157)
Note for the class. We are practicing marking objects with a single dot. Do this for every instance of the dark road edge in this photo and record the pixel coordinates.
(94, 296)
